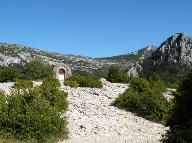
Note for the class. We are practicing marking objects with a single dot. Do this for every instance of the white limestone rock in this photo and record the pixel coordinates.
(93, 119)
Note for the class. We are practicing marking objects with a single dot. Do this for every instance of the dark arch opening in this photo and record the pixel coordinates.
(61, 71)
(61, 74)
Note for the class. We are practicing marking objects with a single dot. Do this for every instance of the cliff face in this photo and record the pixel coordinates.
(171, 60)
(176, 49)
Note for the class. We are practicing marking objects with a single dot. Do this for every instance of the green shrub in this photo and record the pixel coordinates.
(145, 98)
(168, 72)
(156, 84)
(51, 83)
(71, 83)
(23, 86)
(50, 91)
(181, 120)
(30, 117)
(36, 69)
(2, 101)
(9, 74)
(115, 75)
(85, 80)
(33, 70)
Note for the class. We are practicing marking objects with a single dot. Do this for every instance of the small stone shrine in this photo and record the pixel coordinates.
(61, 72)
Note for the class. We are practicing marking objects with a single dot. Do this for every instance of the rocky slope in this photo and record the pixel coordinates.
(132, 57)
(92, 118)
(18, 54)
(171, 60)
(176, 49)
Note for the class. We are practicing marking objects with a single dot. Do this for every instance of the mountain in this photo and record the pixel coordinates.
(174, 56)
(171, 60)
(131, 58)
(176, 49)
(11, 54)
(130, 62)
(19, 54)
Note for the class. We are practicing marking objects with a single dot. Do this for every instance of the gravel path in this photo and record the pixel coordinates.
(92, 118)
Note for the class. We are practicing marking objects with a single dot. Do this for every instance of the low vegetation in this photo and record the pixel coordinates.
(11, 73)
(50, 91)
(83, 79)
(32, 114)
(117, 76)
(71, 83)
(34, 70)
(181, 120)
(170, 73)
(145, 98)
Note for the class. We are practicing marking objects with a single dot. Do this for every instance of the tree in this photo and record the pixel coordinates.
(36, 69)
(181, 120)
(115, 75)
(9, 74)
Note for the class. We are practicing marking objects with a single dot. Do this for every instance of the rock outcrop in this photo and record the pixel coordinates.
(176, 49)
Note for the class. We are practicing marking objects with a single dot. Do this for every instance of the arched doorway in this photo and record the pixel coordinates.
(61, 74)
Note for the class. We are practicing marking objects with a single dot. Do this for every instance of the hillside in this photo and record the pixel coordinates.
(171, 59)
(173, 55)
(18, 54)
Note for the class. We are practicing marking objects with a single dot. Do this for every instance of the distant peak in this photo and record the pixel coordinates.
(177, 38)
(181, 33)
(176, 35)
(151, 47)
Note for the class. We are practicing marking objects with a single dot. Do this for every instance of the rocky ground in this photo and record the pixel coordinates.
(93, 119)
(7, 86)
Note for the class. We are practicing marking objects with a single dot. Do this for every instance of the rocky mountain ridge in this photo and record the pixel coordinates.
(170, 61)
(19, 54)
(11, 54)
(176, 49)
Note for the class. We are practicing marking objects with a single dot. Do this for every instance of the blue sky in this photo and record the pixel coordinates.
(93, 27)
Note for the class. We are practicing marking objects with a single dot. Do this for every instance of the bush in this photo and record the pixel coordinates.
(51, 83)
(2, 101)
(71, 83)
(36, 69)
(85, 80)
(181, 120)
(168, 72)
(31, 116)
(9, 74)
(50, 91)
(145, 98)
(23, 86)
(117, 76)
